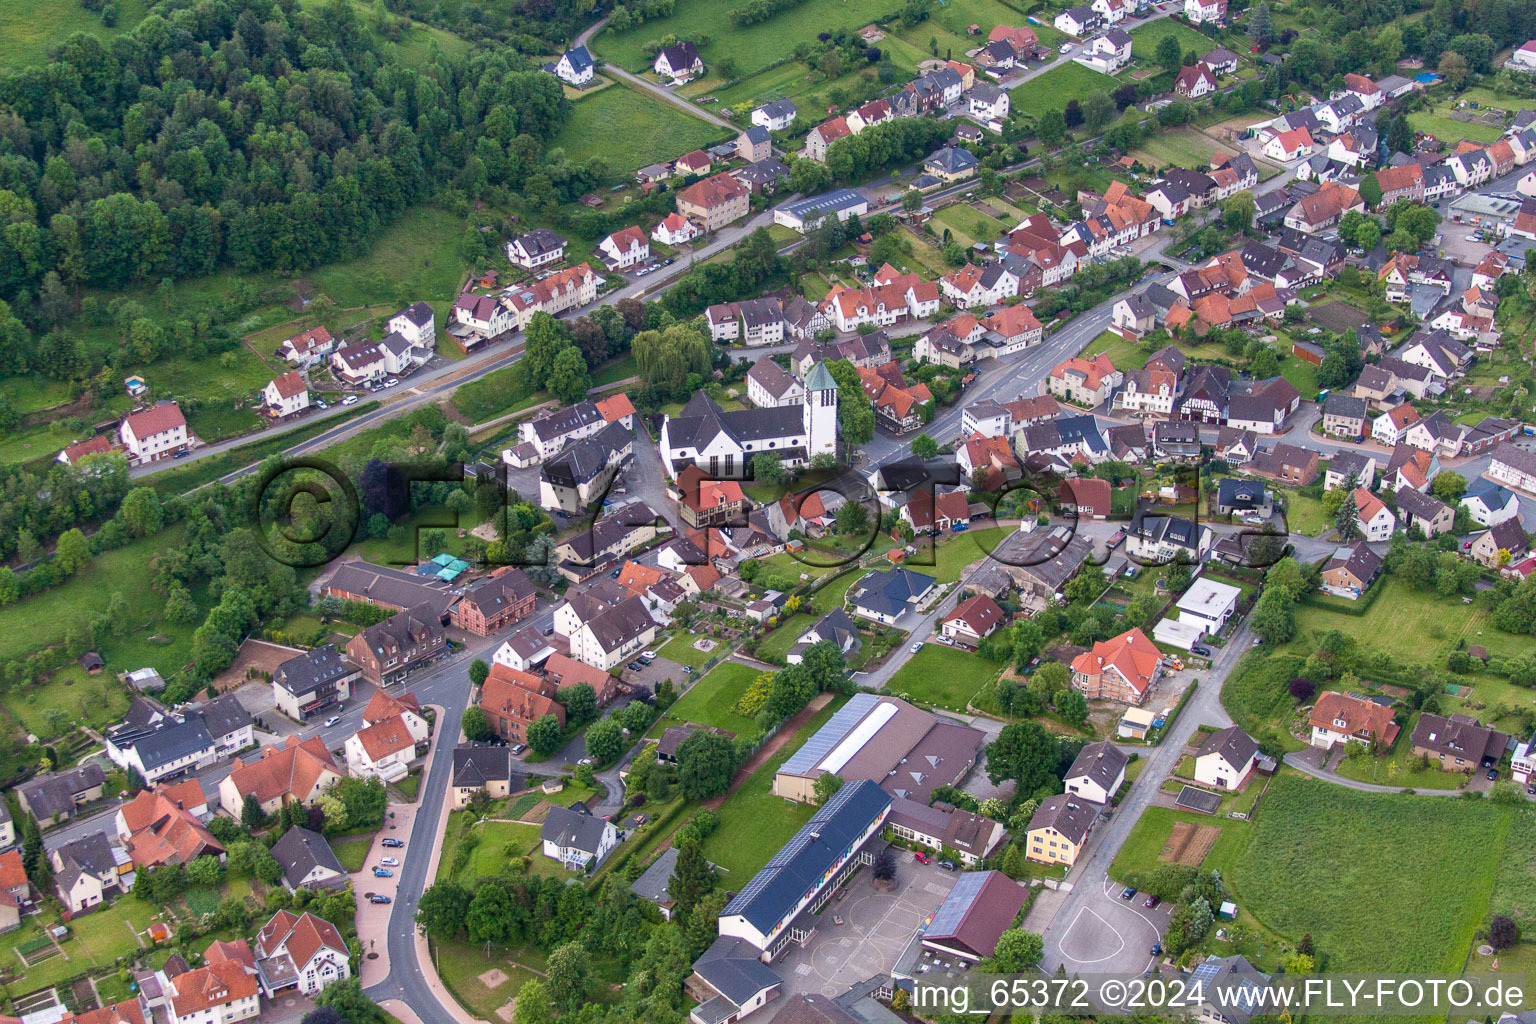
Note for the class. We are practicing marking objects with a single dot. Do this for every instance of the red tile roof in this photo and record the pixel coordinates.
(163, 417)
(1131, 654)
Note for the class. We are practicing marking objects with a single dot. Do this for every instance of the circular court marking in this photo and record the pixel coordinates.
(1065, 939)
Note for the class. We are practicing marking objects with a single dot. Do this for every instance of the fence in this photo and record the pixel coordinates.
(1155, 736)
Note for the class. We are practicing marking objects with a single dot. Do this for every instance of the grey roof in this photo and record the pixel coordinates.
(570, 830)
(1201, 800)
(1510, 536)
(1263, 260)
(167, 740)
(581, 461)
(579, 57)
(762, 172)
(1418, 504)
(1230, 492)
(313, 668)
(756, 134)
(1356, 464)
(620, 624)
(539, 241)
(396, 344)
(652, 885)
(418, 313)
(383, 585)
(951, 160)
(889, 591)
(1234, 746)
(680, 55)
(1220, 55)
(802, 863)
(1102, 762)
(986, 92)
(702, 420)
(1165, 529)
(1233, 983)
(1067, 813)
(1340, 404)
(1360, 561)
(476, 764)
(672, 738)
(55, 794)
(1119, 36)
(835, 626)
(91, 852)
(402, 628)
(778, 109)
(223, 715)
(731, 967)
(557, 423)
(835, 201)
(1051, 557)
(301, 851)
(1489, 493)
(1001, 51)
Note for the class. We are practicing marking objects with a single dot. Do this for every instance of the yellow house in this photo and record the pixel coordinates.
(1059, 828)
(480, 769)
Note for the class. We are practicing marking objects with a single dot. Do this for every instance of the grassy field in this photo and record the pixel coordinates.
(1144, 40)
(353, 854)
(943, 676)
(629, 130)
(42, 620)
(1316, 847)
(753, 822)
(1183, 147)
(1302, 375)
(753, 47)
(1396, 768)
(91, 701)
(711, 699)
(1256, 694)
(1422, 626)
(948, 25)
(967, 226)
(29, 27)
(833, 594)
(1451, 131)
(948, 559)
(1125, 355)
(777, 644)
(681, 650)
(1056, 87)
(1304, 515)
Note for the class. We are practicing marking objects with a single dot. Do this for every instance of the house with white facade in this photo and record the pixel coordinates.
(286, 395)
(1225, 758)
(625, 248)
(153, 434)
(300, 952)
(577, 840)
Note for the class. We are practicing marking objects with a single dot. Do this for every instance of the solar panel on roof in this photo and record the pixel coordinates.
(830, 735)
(960, 899)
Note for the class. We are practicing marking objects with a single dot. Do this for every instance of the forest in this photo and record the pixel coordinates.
(259, 136)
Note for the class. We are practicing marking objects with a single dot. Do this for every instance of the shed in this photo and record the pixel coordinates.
(92, 662)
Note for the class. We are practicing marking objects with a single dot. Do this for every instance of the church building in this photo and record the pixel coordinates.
(722, 443)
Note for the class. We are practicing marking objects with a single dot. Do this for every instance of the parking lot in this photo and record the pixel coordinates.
(876, 927)
(1110, 935)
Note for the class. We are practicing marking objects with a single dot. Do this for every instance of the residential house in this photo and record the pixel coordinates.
(714, 202)
(301, 951)
(1490, 504)
(575, 66)
(886, 595)
(164, 825)
(678, 62)
(1373, 519)
(383, 750)
(307, 860)
(1284, 463)
(513, 700)
(1121, 669)
(819, 138)
(625, 248)
(1226, 758)
(85, 871)
(836, 628)
(1290, 145)
(537, 248)
(306, 349)
(1346, 718)
(480, 769)
(1078, 21)
(577, 841)
(989, 102)
(1349, 469)
(360, 363)
(674, 229)
(973, 619)
(1502, 544)
(1194, 82)
(388, 651)
(1085, 498)
(951, 164)
(614, 636)
(312, 682)
(216, 993)
(754, 144)
(1158, 539)
(1177, 439)
(1097, 773)
(495, 602)
(296, 772)
(775, 116)
(1236, 497)
(1199, 12)
(286, 395)
(1514, 467)
(1350, 571)
(1418, 509)
(56, 797)
(1059, 827)
(155, 433)
(1458, 743)
(1086, 382)
(1391, 427)
(1344, 416)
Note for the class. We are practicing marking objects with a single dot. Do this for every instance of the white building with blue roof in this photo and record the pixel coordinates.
(575, 66)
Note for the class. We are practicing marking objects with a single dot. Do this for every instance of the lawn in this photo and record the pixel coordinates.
(948, 24)
(1449, 130)
(775, 647)
(947, 559)
(501, 843)
(1419, 625)
(1125, 355)
(943, 676)
(834, 594)
(1052, 90)
(98, 939)
(1302, 375)
(1316, 847)
(1183, 147)
(753, 822)
(94, 702)
(382, 551)
(353, 853)
(29, 27)
(681, 650)
(1144, 40)
(217, 383)
(1304, 515)
(629, 129)
(1396, 767)
(967, 226)
(710, 700)
(462, 965)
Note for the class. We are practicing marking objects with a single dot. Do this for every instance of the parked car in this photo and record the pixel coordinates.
(349, 400)
(917, 647)
(648, 655)
(920, 857)
(668, 261)
(634, 666)
(392, 383)
(383, 873)
(332, 721)
(1128, 894)
(378, 897)
(320, 405)
(585, 760)
(182, 454)
(1152, 901)
(1204, 652)
(1493, 773)
(393, 843)
(1157, 949)
(948, 865)
(390, 862)
(518, 748)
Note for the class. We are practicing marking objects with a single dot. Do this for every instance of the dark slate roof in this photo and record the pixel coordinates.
(1235, 985)
(1234, 746)
(223, 715)
(418, 313)
(801, 864)
(889, 591)
(732, 968)
(55, 794)
(621, 623)
(566, 828)
(1343, 405)
(1418, 504)
(1102, 762)
(581, 461)
(1067, 813)
(300, 851)
(702, 420)
(384, 585)
(558, 422)
(90, 852)
(1361, 562)
(313, 668)
(652, 885)
(579, 57)
(951, 160)
(476, 765)
(1230, 491)
(680, 55)
(539, 241)
(166, 741)
(778, 108)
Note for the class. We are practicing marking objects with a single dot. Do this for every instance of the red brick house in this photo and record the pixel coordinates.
(498, 600)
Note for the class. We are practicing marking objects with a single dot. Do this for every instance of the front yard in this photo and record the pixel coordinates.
(944, 676)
